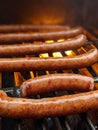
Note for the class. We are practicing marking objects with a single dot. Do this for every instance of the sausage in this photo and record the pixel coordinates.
(55, 82)
(48, 107)
(29, 37)
(49, 63)
(32, 28)
(2, 94)
(26, 49)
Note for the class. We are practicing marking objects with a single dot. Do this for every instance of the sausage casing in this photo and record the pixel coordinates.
(29, 37)
(31, 28)
(50, 63)
(26, 49)
(48, 107)
(55, 82)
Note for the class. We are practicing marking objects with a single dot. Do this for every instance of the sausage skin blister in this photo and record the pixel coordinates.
(48, 107)
(55, 82)
(50, 63)
(26, 49)
(27, 37)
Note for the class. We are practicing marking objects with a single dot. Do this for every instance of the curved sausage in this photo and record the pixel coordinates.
(48, 107)
(50, 63)
(26, 49)
(27, 37)
(55, 82)
(33, 28)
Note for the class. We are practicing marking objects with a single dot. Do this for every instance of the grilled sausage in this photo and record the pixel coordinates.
(23, 49)
(32, 28)
(2, 94)
(48, 107)
(27, 37)
(50, 63)
(55, 82)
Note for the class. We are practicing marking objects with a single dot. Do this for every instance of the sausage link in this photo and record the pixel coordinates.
(26, 49)
(48, 107)
(32, 28)
(2, 94)
(55, 82)
(50, 63)
(27, 37)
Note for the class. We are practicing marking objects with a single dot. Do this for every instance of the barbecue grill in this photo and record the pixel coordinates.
(10, 81)
(87, 121)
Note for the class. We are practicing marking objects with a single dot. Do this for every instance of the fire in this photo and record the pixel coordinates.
(18, 78)
(44, 55)
(57, 54)
(60, 40)
(49, 41)
(69, 52)
(31, 74)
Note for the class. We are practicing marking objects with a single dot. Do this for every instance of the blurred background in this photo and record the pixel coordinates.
(71, 12)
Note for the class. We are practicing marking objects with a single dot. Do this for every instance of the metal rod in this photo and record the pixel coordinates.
(95, 79)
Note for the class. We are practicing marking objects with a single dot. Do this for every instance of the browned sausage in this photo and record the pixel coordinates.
(23, 49)
(32, 28)
(27, 37)
(48, 107)
(55, 82)
(50, 63)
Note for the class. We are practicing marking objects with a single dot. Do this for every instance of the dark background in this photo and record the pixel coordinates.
(71, 12)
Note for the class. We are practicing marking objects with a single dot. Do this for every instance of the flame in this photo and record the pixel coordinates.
(57, 54)
(49, 41)
(18, 78)
(31, 74)
(69, 53)
(60, 40)
(44, 55)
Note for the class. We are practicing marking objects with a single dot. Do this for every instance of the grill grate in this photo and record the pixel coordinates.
(10, 80)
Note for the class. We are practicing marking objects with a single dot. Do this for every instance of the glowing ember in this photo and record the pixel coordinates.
(31, 74)
(18, 78)
(69, 53)
(44, 55)
(49, 41)
(60, 40)
(57, 54)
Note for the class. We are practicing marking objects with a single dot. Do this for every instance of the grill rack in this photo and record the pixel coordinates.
(80, 121)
